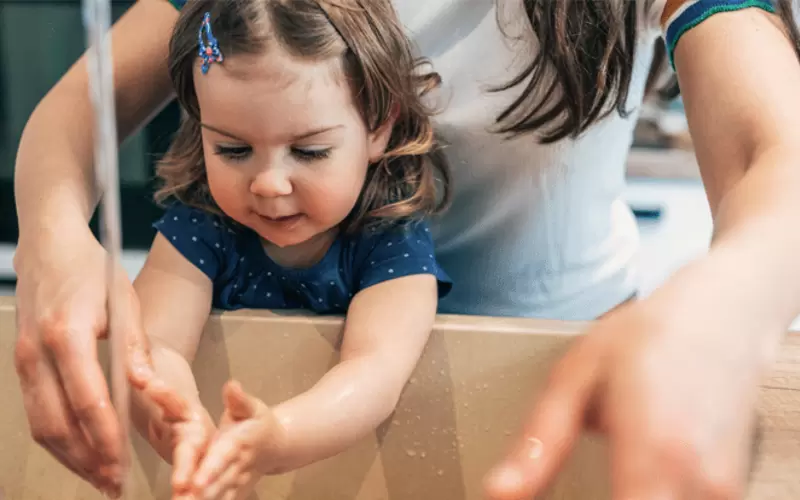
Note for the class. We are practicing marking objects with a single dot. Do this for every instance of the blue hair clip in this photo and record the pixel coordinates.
(209, 52)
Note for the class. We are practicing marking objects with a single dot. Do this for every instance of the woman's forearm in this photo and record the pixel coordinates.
(751, 275)
(54, 177)
(348, 403)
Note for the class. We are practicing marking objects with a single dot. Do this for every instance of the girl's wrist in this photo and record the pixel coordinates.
(274, 449)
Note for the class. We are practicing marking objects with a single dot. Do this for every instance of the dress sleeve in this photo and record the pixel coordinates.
(398, 252)
(199, 236)
(676, 17)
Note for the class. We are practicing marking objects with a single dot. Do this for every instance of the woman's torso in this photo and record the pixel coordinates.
(534, 230)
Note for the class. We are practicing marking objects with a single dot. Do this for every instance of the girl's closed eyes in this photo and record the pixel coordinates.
(241, 153)
(235, 153)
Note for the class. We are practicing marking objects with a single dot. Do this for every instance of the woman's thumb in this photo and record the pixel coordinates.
(239, 404)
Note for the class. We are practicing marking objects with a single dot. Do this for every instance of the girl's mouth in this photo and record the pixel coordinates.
(285, 221)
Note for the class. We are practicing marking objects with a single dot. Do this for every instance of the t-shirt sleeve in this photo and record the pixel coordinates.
(198, 235)
(398, 252)
(676, 17)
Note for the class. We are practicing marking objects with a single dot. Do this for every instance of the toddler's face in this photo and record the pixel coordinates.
(286, 149)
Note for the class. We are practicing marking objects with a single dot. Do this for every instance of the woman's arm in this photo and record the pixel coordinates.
(673, 378)
(386, 330)
(739, 75)
(61, 294)
(54, 180)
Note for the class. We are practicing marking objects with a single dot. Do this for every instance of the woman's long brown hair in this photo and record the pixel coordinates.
(583, 66)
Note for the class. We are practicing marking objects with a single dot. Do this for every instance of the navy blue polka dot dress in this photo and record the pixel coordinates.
(244, 276)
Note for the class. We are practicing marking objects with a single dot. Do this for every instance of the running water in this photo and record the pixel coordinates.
(97, 23)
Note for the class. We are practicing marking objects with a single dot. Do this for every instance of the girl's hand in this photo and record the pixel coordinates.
(245, 448)
(180, 436)
(672, 383)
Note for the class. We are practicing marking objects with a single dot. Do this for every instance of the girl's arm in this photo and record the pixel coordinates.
(175, 300)
(386, 330)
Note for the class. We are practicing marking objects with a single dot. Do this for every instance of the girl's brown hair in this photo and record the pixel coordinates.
(586, 54)
(410, 181)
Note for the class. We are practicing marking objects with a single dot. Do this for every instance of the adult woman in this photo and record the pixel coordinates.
(540, 208)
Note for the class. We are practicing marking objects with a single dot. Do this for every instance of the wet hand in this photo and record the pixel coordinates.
(181, 435)
(675, 394)
(247, 445)
(61, 312)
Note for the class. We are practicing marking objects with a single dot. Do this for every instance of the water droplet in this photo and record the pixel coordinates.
(441, 372)
(411, 453)
(396, 422)
(440, 472)
(507, 433)
(419, 417)
(423, 454)
(466, 405)
(485, 386)
(486, 428)
(413, 380)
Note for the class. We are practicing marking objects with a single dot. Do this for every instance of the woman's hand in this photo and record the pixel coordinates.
(61, 312)
(247, 446)
(672, 382)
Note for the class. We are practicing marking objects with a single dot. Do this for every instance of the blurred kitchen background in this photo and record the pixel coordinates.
(40, 39)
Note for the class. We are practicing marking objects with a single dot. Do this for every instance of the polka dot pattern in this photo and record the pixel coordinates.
(244, 276)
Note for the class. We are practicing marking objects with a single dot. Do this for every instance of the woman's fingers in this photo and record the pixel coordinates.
(552, 429)
(88, 398)
(51, 422)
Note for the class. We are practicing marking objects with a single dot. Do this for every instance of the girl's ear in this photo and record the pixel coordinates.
(379, 139)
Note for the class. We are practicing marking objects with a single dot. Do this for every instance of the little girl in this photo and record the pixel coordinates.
(299, 178)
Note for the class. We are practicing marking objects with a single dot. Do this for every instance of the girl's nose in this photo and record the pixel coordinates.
(271, 183)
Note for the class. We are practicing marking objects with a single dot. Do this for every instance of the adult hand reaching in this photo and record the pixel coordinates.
(671, 382)
(61, 312)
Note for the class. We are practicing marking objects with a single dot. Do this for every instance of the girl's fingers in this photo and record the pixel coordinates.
(175, 408)
(221, 454)
(225, 485)
(186, 457)
(239, 404)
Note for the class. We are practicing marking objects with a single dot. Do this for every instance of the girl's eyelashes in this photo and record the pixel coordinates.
(236, 153)
(310, 154)
(241, 153)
